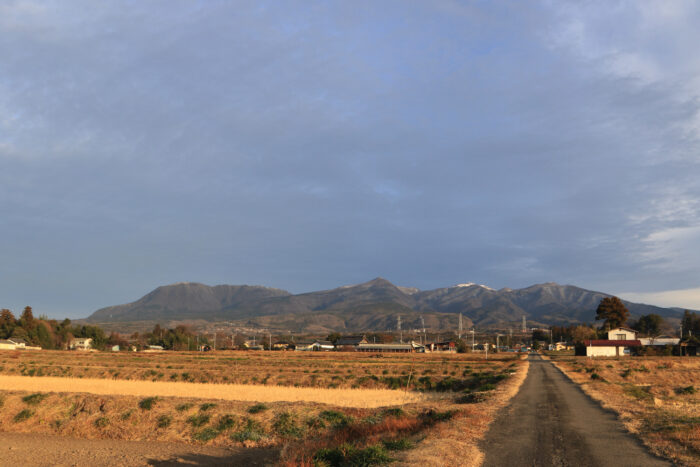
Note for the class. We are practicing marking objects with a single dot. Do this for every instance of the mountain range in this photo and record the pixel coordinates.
(373, 305)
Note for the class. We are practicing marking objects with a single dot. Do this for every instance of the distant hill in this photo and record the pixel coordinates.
(373, 305)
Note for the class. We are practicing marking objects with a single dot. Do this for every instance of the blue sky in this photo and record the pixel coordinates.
(307, 145)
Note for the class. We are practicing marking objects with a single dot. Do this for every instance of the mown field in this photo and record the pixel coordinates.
(656, 397)
(434, 395)
(299, 369)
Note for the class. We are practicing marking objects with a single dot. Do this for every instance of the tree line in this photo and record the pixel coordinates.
(48, 333)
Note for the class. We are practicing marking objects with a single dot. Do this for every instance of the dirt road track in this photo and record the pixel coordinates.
(36, 450)
(551, 422)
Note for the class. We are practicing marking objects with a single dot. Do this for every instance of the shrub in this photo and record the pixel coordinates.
(347, 454)
(471, 398)
(434, 416)
(252, 431)
(126, 415)
(205, 435)
(147, 403)
(206, 406)
(257, 408)
(335, 418)
(686, 390)
(393, 412)
(226, 422)
(183, 407)
(198, 419)
(398, 444)
(23, 415)
(285, 424)
(34, 399)
(638, 392)
(164, 421)
(101, 422)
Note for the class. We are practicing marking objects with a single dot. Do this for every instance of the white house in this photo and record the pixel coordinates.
(618, 344)
(7, 345)
(81, 343)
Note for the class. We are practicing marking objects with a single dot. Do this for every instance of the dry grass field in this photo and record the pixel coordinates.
(356, 408)
(656, 397)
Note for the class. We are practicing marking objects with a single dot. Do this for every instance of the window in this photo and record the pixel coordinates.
(621, 337)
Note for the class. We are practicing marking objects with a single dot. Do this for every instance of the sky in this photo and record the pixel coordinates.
(307, 145)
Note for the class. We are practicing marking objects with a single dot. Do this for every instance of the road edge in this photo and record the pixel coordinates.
(458, 441)
(622, 417)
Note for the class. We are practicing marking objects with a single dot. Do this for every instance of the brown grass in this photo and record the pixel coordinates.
(97, 395)
(366, 398)
(647, 393)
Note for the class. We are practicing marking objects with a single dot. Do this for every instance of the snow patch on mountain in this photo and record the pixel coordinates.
(471, 284)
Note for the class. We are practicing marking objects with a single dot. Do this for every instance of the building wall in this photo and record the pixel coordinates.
(7, 347)
(602, 351)
(614, 333)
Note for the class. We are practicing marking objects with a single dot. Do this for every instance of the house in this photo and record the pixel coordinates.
(314, 345)
(324, 345)
(19, 343)
(619, 343)
(350, 343)
(81, 343)
(393, 348)
(7, 345)
(447, 346)
(559, 346)
(282, 345)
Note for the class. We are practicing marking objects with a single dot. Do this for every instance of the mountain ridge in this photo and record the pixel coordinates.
(370, 305)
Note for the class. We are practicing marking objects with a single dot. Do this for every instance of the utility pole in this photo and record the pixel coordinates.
(270, 334)
(510, 337)
(398, 327)
(459, 336)
(425, 337)
(472, 331)
(524, 324)
(214, 340)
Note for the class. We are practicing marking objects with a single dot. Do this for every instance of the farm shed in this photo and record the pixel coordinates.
(405, 348)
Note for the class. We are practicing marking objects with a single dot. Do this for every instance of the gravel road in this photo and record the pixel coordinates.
(551, 422)
(37, 450)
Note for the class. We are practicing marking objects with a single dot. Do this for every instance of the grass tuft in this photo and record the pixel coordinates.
(34, 399)
(23, 415)
(257, 408)
(147, 403)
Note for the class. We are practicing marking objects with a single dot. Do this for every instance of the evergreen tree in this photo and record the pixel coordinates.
(613, 311)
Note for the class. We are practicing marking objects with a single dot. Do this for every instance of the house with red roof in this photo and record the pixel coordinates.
(619, 343)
